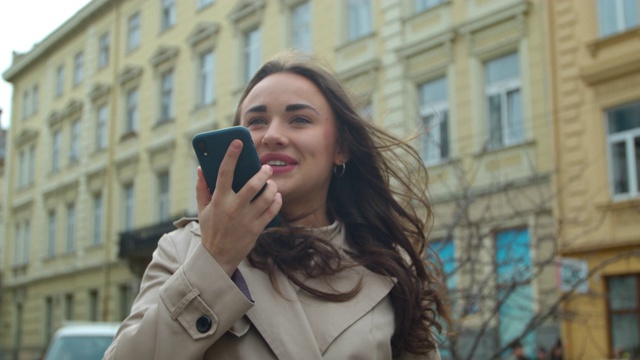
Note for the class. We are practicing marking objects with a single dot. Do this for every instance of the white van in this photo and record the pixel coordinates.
(81, 341)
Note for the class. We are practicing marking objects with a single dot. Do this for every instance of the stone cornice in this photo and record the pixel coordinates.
(129, 73)
(202, 32)
(98, 91)
(245, 8)
(164, 54)
(26, 136)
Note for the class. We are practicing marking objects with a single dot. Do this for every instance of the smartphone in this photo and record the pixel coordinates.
(210, 148)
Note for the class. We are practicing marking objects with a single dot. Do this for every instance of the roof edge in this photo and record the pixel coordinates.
(50, 40)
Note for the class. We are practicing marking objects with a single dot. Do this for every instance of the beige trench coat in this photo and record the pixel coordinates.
(184, 286)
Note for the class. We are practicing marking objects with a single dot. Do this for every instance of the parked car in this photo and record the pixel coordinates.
(81, 341)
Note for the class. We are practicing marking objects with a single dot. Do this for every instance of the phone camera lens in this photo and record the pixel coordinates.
(202, 146)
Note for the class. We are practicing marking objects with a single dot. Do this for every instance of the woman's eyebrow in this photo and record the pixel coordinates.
(257, 108)
(295, 107)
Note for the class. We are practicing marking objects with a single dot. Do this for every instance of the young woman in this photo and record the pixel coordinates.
(345, 276)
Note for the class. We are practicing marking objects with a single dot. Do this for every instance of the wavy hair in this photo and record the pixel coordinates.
(382, 200)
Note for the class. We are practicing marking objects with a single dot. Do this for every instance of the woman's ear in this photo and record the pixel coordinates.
(342, 155)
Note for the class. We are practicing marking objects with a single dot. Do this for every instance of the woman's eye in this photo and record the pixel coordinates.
(300, 120)
(256, 121)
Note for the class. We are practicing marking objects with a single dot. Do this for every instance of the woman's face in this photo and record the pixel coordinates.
(294, 131)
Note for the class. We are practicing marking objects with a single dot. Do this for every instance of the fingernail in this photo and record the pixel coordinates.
(268, 167)
(235, 144)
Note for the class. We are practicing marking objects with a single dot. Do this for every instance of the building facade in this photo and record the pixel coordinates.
(596, 87)
(105, 107)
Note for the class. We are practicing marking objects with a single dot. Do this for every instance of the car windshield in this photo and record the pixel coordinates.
(79, 347)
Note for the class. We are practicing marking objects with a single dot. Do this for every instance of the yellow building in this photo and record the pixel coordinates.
(596, 88)
(105, 108)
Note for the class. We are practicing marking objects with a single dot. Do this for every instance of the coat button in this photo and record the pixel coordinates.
(203, 324)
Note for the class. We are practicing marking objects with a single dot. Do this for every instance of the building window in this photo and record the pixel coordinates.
(93, 305)
(26, 104)
(359, 19)
(74, 150)
(71, 228)
(35, 99)
(616, 16)
(101, 127)
(434, 115)
(103, 52)
(624, 315)
(168, 14)
(206, 88)
(51, 238)
(68, 306)
(26, 242)
(126, 300)
(423, 5)
(78, 64)
(166, 96)
(301, 27)
(97, 219)
(164, 199)
(17, 249)
(128, 207)
(48, 318)
(252, 53)
(623, 138)
(56, 149)
(31, 167)
(131, 124)
(59, 81)
(22, 169)
(504, 101)
(514, 291)
(133, 39)
(203, 3)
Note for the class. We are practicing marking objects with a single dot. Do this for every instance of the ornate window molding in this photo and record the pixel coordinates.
(204, 34)
(129, 74)
(98, 92)
(164, 56)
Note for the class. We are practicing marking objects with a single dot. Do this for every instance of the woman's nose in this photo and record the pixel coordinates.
(275, 135)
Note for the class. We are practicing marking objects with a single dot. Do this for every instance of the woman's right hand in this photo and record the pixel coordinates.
(230, 222)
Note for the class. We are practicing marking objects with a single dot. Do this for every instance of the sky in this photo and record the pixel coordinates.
(22, 24)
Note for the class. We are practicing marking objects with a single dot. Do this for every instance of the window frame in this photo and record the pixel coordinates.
(359, 19)
(163, 191)
(206, 78)
(435, 109)
(59, 84)
(610, 312)
(104, 44)
(167, 96)
(424, 5)
(78, 68)
(128, 202)
(74, 143)
(101, 126)
(132, 115)
(56, 151)
(168, 15)
(628, 137)
(251, 52)
(620, 9)
(134, 31)
(51, 234)
(71, 227)
(503, 88)
(97, 218)
(301, 28)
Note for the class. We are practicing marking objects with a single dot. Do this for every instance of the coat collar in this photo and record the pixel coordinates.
(316, 322)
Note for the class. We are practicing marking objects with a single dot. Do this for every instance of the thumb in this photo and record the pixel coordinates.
(203, 196)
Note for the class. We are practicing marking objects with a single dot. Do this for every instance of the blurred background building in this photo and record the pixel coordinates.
(525, 112)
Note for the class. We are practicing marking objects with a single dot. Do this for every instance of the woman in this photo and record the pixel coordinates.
(343, 278)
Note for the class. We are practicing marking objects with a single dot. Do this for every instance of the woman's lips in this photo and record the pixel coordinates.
(280, 163)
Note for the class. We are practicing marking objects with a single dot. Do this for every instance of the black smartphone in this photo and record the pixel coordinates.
(210, 148)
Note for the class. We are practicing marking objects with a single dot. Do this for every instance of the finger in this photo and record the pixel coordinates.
(228, 165)
(255, 184)
(272, 210)
(203, 196)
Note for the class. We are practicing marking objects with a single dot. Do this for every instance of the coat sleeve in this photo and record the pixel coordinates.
(182, 307)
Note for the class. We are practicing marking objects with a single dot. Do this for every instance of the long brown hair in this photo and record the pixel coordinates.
(382, 200)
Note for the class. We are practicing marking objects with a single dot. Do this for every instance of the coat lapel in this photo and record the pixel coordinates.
(280, 318)
(330, 319)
